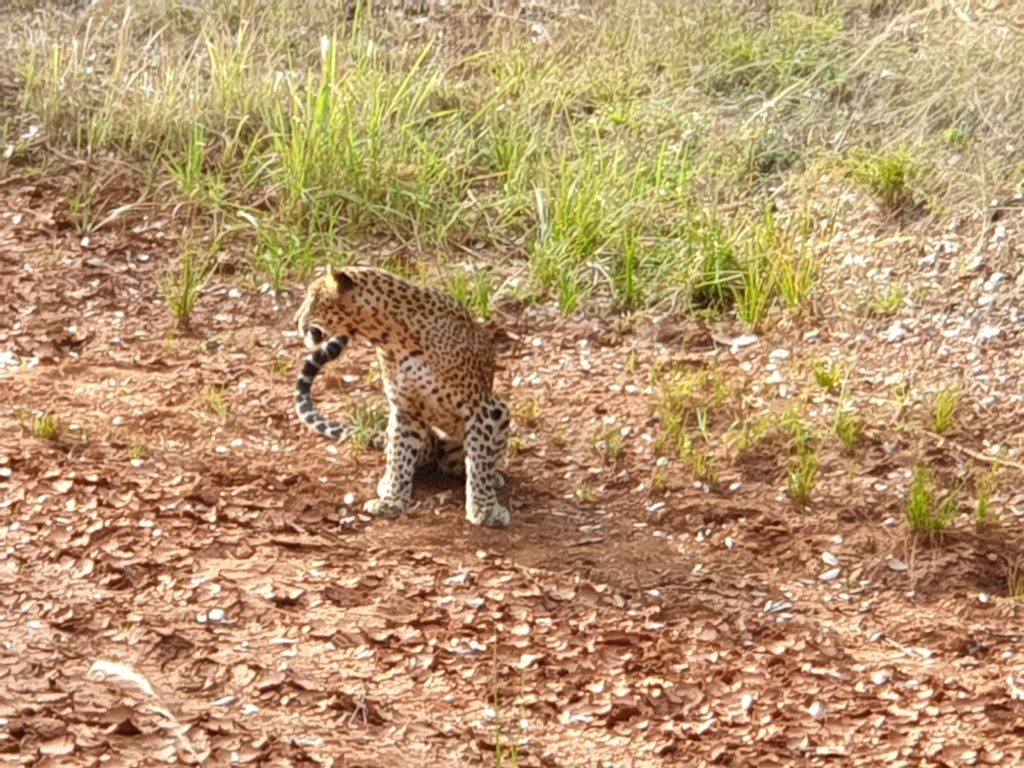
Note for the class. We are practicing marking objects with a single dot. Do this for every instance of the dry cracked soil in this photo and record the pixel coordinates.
(185, 576)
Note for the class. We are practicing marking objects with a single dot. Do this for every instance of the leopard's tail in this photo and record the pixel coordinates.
(304, 405)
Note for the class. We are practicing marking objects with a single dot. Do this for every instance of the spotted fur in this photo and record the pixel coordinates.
(437, 365)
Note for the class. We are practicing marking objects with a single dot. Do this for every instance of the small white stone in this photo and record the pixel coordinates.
(217, 615)
(816, 710)
(830, 575)
(829, 559)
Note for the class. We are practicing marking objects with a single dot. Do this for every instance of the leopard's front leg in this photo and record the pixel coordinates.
(407, 440)
(485, 442)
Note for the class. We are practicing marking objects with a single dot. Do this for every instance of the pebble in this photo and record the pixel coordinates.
(830, 575)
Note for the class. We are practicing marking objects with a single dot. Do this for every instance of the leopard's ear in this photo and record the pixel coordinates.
(343, 279)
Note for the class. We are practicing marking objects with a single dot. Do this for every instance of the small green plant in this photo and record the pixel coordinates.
(506, 750)
(889, 176)
(213, 403)
(80, 210)
(1015, 579)
(633, 362)
(609, 444)
(45, 425)
(138, 452)
(515, 446)
(527, 412)
(894, 299)
(803, 474)
(659, 479)
(955, 137)
(474, 290)
(983, 503)
(759, 273)
(584, 494)
(704, 466)
(925, 512)
(181, 288)
(849, 427)
(368, 425)
(944, 408)
(281, 368)
(828, 376)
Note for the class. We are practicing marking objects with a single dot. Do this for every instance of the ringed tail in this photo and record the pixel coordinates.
(304, 405)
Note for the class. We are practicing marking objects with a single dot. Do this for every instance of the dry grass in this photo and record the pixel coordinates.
(628, 153)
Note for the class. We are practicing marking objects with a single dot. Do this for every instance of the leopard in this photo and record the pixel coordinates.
(437, 364)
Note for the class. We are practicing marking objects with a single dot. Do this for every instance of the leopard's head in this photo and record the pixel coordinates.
(329, 308)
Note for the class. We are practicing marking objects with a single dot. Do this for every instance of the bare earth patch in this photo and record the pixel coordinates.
(258, 618)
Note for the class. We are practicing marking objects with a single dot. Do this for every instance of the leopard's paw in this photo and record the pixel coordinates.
(493, 516)
(386, 508)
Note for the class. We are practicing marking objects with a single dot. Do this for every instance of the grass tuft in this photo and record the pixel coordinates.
(44, 425)
(945, 408)
(926, 512)
(182, 287)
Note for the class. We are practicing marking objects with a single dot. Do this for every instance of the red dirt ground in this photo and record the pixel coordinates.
(268, 623)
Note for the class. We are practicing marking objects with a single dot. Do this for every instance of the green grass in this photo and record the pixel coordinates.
(929, 510)
(474, 289)
(633, 160)
(803, 475)
(213, 404)
(1015, 579)
(849, 427)
(609, 444)
(945, 408)
(828, 375)
(369, 423)
(182, 286)
(44, 425)
(890, 176)
(983, 512)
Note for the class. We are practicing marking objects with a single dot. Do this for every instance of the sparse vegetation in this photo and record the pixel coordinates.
(803, 474)
(945, 408)
(213, 404)
(890, 176)
(849, 427)
(929, 509)
(609, 444)
(983, 503)
(369, 423)
(45, 425)
(828, 376)
(1015, 579)
(181, 287)
(894, 299)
